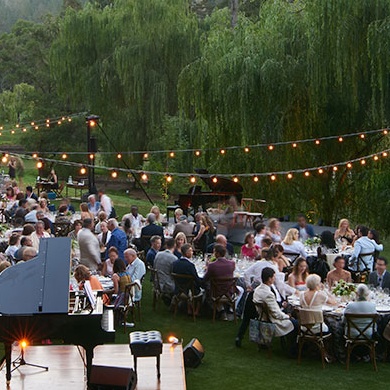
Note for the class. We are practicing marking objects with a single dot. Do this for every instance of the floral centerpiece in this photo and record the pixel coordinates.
(313, 241)
(344, 289)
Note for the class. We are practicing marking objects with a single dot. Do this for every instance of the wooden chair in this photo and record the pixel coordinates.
(308, 319)
(190, 239)
(224, 292)
(156, 290)
(263, 311)
(292, 256)
(58, 191)
(145, 243)
(130, 304)
(185, 291)
(360, 329)
(363, 270)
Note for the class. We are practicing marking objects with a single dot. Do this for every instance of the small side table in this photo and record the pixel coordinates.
(146, 344)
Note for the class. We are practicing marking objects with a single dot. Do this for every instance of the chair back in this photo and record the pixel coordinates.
(291, 256)
(308, 319)
(62, 229)
(223, 287)
(155, 279)
(185, 284)
(360, 327)
(263, 311)
(364, 259)
(145, 243)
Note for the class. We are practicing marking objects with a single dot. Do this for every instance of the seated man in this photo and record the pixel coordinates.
(184, 226)
(163, 265)
(305, 230)
(135, 268)
(155, 246)
(184, 266)
(221, 240)
(264, 294)
(363, 246)
(380, 277)
(152, 229)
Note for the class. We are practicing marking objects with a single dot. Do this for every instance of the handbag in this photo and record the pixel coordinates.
(261, 332)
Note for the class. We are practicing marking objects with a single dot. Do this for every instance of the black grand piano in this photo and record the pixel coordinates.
(35, 305)
(221, 190)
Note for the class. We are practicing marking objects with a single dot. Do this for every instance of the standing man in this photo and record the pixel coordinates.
(305, 229)
(105, 203)
(89, 246)
(155, 246)
(380, 277)
(118, 238)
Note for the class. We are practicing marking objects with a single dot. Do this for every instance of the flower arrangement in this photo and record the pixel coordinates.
(313, 241)
(344, 289)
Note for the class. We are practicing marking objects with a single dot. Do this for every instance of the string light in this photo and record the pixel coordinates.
(256, 179)
(341, 139)
(214, 179)
(64, 156)
(4, 159)
(317, 142)
(35, 155)
(362, 136)
(197, 153)
(222, 151)
(40, 164)
(273, 177)
(271, 147)
(335, 169)
(168, 178)
(363, 162)
(235, 179)
(376, 158)
(192, 179)
(146, 156)
(91, 156)
(172, 154)
(119, 156)
(294, 145)
(384, 154)
(307, 173)
(289, 176)
(349, 165)
(114, 174)
(144, 177)
(385, 132)
(83, 170)
(246, 149)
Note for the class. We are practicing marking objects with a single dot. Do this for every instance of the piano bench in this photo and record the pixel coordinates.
(146, 344)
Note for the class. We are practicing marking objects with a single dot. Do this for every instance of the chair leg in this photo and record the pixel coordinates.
(154, 300)
(348, 357)
(322, 351)
(300, 346)
(373, 357)
(234, 313)
(214, 311)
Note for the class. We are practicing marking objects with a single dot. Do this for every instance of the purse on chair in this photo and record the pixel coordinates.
(260, 331)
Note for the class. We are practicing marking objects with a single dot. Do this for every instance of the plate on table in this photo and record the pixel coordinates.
(327, 308)
(382, 308)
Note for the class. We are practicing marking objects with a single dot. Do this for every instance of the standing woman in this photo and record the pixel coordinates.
(53, 179)
(12, 168)
(206, 233)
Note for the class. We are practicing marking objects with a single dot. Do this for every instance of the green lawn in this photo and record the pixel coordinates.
(225, 366)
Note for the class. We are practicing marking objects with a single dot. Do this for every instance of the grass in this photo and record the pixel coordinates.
(225, 366)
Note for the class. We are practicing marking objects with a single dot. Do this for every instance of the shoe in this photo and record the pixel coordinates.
(366, 358)
(238, 342)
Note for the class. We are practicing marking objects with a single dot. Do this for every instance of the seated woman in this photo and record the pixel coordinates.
(362, 305)
(82, 273)
(180, 240)
(273, 230)
(313, 299)
(327, 241)
(205, 234)
(338, 273)
(344, 233)
(297, 278)
(281, 259)
(292, 244)
(159, 217)
(120, 277)
(250, 249)
(108, 265)
(85, 213)
(261, 232)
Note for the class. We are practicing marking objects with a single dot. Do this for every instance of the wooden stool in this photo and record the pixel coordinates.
(251, 218)
(146, 344)
(246, 203)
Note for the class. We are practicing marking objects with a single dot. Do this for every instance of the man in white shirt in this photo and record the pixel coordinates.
(105, 203)
(363, 254)
(135, 268)
(38, 234)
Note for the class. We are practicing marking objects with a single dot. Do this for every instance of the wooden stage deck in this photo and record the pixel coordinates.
(66, 369)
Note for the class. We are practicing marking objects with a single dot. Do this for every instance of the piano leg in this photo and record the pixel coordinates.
(89, 358)
(8, 350)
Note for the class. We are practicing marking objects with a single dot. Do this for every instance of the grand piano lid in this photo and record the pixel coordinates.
(39, 285)
(222, 184)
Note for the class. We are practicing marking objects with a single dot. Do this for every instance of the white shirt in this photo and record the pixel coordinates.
(296, 247)
(105, 203)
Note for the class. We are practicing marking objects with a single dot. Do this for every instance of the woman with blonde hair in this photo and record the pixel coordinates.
(344, 232)
(180, 240)
(297, 278)
(159, 217)
(291, 243)
(273, 230)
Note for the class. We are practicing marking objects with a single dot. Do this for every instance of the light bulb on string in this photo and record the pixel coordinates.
(64, 156)
(36, 127)
(114, 174)
(4, 159)
(341, 139)
(289, 176)
(363, 162)
(197, 153)
(235, 179)
(376, 158)
(256, 179)
(349, 165)
(63, 118)
(335, 169)
(34, 155)
(59, 123)
(271, 147)
(91, 156)
(307, 174)
(40, 164)
(214, 179)
(222, 151)
(119, 156)
(144, 177)
(384, 154)
(246, 149)
(83, 170)
(294, 145)
(69, 119)
(47, 124)
(192, 179)
(362, 136)
(145, 156)
(12, 131)
(273, 177)
(385, 132)
(168, 178)
(317, 141)
(17, 126)
(24, 129)
(172, 154)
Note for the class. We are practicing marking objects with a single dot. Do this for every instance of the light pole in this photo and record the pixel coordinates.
(92, 121)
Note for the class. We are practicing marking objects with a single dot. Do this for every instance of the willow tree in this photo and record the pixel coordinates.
(123, 63)
(305, 69)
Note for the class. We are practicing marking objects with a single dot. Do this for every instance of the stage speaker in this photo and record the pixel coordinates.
(193, 353)
(112, 378)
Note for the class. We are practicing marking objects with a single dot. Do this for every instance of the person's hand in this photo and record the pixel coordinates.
(249, 289)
